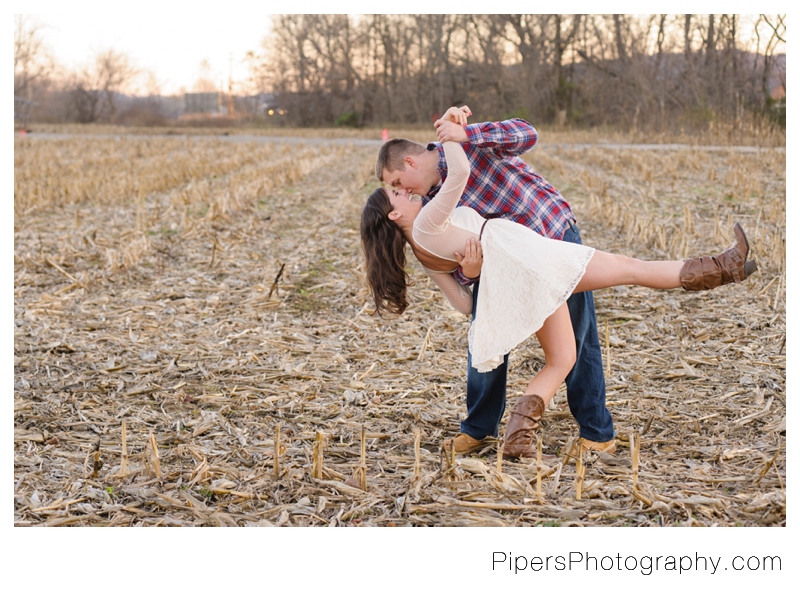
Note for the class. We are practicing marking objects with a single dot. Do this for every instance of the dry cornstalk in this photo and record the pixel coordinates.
(638, 495)
(779, 291)
(425, 343)
(316, 468)
(363, 467)
(62, 270)
(367, 372)
(768, 465)
(569, 450)
(274, 286)
(500, 457)
(246, 495)
(276, 457)
(140, 210)
(647, 424)
(579, 471)
(154, 453)
(539, 468)
(556, 479)
(634, 443)
(98, 463)
(447, 461)
(417, 439)
(123, 468)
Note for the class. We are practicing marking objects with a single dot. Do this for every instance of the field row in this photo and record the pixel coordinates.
(203, 353)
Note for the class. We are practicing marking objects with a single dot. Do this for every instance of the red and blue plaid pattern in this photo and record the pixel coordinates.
(502, 183)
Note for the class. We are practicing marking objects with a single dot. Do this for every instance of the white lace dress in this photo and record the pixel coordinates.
(524, 278)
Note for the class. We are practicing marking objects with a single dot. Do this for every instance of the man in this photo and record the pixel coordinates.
(502, 184)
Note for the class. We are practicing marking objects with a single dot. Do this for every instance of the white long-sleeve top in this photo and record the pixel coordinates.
(525, 277)
(442, 229)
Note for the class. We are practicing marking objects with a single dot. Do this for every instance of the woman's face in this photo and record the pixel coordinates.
(403, 202)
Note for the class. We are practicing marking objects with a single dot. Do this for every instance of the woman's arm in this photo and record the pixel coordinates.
(434, 216)
(459, 296)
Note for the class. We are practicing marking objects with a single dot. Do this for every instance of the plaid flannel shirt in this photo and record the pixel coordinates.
(502, 183)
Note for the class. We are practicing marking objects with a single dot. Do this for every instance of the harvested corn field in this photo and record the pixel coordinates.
(194, 345)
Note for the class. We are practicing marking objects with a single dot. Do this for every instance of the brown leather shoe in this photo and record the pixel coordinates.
(466, 444)
(710, 271)
(606, 447)
(521, 429)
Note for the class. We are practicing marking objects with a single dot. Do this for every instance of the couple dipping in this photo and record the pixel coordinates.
(503, 245)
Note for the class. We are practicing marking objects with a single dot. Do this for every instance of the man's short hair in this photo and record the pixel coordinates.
(392, 153)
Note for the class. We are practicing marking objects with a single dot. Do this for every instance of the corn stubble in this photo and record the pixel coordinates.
(194, 345)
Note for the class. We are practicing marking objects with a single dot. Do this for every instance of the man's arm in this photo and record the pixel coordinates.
(508, 138)
(471, 261)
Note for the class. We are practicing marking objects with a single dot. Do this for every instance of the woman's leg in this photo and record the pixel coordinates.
(558, 343)
(698, 273)
(607, 269)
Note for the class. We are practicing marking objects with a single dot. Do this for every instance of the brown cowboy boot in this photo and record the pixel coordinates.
(521, 429)
(710, 271)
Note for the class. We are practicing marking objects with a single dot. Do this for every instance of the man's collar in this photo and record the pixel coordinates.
(441, 167)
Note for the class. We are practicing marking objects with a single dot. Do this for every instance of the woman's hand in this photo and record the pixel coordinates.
(450, 127)
(472, 260)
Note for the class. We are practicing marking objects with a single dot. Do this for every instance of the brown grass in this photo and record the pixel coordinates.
(158, 369)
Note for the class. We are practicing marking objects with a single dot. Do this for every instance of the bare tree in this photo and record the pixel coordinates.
(32, 61)
(777, 33)
(645, 70)
(93, 89)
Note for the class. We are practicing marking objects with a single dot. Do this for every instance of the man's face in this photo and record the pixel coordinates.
(410, 178)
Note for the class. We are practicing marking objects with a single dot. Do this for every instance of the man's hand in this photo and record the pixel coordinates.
(457, 115)
(472, 260)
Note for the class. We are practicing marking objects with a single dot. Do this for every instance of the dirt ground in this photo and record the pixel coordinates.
(182, 311)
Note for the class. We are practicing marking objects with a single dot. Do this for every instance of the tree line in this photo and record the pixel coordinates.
(636, 71)
(579, 69)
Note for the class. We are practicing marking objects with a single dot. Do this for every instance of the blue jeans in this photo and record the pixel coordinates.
(586, 386)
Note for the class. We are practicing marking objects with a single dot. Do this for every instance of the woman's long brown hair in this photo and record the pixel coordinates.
(384, 248)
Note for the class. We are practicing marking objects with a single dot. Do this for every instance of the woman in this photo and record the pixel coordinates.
(525, 279)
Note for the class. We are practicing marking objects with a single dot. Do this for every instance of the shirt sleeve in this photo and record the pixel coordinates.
(511, 137)
(459, 276)
(459, 296)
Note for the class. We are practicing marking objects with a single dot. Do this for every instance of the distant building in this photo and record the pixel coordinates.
(210, 104)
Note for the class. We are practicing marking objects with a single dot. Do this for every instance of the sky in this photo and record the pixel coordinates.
(172, 47)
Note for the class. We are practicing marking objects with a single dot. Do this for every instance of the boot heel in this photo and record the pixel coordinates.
(707, 272)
